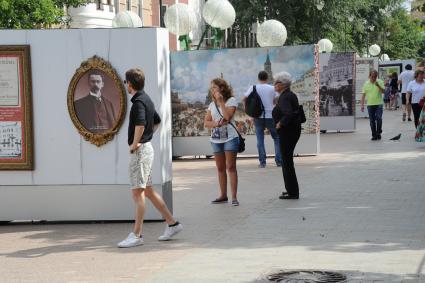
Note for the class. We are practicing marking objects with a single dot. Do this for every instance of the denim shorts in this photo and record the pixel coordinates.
(231, 145)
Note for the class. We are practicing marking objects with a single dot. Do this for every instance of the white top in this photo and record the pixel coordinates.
(226, 132)
(417, 90)
(267, 94)
(406, 77)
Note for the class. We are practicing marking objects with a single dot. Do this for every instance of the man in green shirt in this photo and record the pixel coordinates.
(373, 90)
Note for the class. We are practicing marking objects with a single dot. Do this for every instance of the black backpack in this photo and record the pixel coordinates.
(253, 105)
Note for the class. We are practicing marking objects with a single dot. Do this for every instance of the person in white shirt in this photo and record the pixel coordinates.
(404, 79)
(415, 91)
(265, 121)
(224, 137)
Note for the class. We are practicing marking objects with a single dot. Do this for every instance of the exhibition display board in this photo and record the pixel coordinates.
(192, 72)
(75, 178)
(16, 138)
(363, 68)
(337, 93)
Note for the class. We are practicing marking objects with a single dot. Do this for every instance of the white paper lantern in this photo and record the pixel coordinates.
(219, 13)
(374, 50)
(385, 57)
(180, 19)
(325, 45)
(271, 33)
(127, 19)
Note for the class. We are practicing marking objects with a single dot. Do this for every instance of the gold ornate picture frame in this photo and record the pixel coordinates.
(97, 101)
(16, 132)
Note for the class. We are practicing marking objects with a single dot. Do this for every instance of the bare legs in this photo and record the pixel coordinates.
(139, 200)
(226, 165)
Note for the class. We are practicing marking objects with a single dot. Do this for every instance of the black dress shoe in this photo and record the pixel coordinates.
(378, 136)
(287, 197)
(374, 139)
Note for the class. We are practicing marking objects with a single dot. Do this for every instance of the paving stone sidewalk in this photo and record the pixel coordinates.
(361, 213)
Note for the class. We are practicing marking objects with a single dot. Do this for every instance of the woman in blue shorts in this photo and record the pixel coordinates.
(224, 138)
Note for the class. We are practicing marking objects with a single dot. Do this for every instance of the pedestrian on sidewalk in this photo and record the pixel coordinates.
(265, 121)
(288, 125)
(394, 91)
(416, 90)
(404, 79)
(224, 137)
(387, 94)
(373, 90)
(144, 120)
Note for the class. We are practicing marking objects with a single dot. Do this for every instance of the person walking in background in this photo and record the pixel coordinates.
(144, 120)
(404, 79)
(265, 121)
(288, 126)
(224, 137)
(387, 94)
(373, 90)
(394, 91)
(415, 91)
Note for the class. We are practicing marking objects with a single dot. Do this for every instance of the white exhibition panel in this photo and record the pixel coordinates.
(363, 68)
(338, 123)
(340, 70)
(62, 157)
(309, 144)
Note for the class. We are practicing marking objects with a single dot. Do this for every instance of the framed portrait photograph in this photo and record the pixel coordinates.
(16, 134)
(96, 101)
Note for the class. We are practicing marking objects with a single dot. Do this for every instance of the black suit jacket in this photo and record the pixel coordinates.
(286, 110)
(85, 108)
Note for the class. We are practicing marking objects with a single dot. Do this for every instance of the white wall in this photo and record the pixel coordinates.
(62, 156)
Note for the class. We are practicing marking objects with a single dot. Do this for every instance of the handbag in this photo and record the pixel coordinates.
(301, 114)
(422, 101)
(241, 139)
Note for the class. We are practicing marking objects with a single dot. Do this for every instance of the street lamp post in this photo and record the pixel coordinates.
(369, 28)
(350, 18)
(319, 6)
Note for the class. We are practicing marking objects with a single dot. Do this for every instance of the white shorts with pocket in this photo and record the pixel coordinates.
(140, 167)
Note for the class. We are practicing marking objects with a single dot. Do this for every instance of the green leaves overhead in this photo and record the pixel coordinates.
(306, 24)
(28, 14)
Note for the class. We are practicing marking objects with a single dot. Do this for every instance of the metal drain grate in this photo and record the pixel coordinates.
(307, 276)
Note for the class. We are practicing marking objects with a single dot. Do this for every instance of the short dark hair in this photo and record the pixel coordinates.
(263, 76)
(136, 77)
(95, 73)
(408, 67)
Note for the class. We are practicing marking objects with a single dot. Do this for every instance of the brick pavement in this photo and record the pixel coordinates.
(361, 212)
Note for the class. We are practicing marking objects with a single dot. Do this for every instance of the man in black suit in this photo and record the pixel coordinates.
(95, 111)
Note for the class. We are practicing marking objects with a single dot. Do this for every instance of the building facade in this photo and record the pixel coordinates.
(100, 13)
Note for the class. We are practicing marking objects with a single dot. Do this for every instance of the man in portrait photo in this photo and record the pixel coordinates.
(94, 110)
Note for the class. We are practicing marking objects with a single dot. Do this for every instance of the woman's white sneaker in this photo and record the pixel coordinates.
(170, 232)
(131, 241)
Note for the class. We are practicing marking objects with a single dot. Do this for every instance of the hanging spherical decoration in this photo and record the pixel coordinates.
(219, 13)
(325, 45)
(127, 19)
(385, 57)
(271, 33)
(180, 19)
(374, 50)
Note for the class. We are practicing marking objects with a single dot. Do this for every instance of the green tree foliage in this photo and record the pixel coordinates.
(306, 24)
(28, 14)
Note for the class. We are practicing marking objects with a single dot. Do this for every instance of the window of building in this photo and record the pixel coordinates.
(128, 5)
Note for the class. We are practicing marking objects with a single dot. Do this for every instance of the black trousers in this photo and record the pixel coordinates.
(288, 139)
(416, 108)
